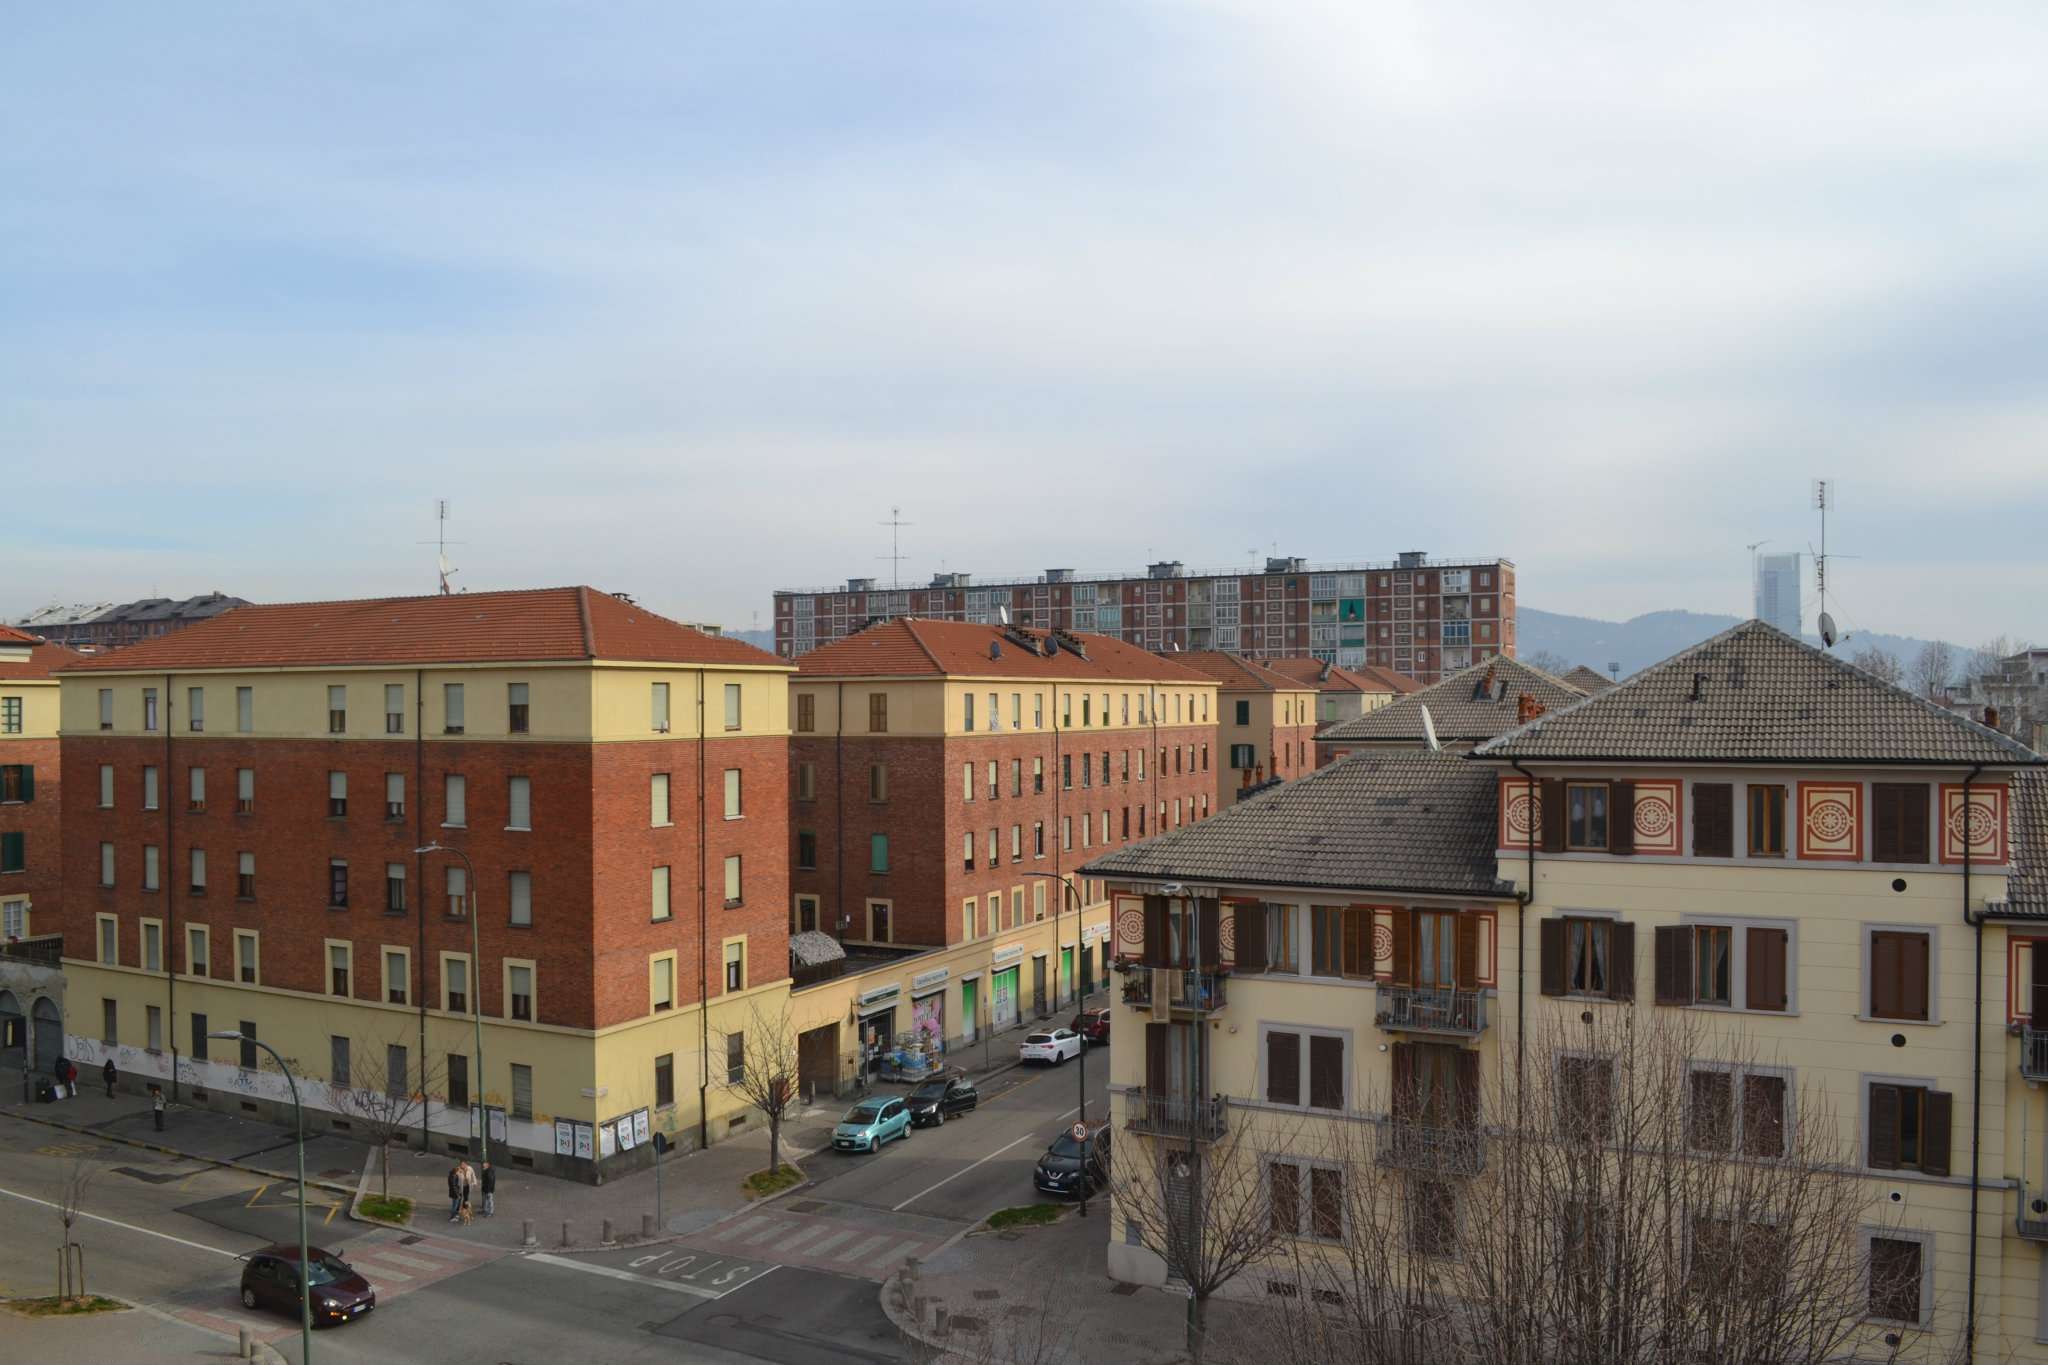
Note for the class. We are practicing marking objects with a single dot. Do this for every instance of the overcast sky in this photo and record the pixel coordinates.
(680, 299)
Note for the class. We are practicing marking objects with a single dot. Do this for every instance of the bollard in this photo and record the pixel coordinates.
(646, 1225)
(243, 1345)
(939, 1319)
(526, 1237)
(606, 1240)
(565, 1234)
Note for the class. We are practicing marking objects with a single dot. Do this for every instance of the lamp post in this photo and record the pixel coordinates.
(299, 1124)
(1067, 886)
(1190, 1164)
(476, 999)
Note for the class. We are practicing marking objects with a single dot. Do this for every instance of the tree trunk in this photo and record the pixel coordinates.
(384, 1165)
(1198, 1326)
(774, 1144)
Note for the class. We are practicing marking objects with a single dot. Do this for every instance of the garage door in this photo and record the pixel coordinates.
(817, 1060)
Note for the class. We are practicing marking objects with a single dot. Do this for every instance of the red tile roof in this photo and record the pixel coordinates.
(42, 661)
(907, 647)
(10, 636)
(475, 627)
(1239, 674)
(1364, 678)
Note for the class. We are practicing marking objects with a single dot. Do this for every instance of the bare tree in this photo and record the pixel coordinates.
(1881, 663)
(1204, 1206)
(1986, 658)
(386, 1113)
(1549, 660)
(766, 1074)
(71, 1187)
(1933, 668)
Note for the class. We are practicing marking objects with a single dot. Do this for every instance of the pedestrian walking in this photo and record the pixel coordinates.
(109, 1073)
(468, 1189)
(156, 1105)
(455, 1192)
(67, 1079)
(490, 1186)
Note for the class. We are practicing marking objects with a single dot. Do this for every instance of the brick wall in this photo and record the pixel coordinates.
(38, 821)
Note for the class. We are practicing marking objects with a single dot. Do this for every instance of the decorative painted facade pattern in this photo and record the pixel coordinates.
(1831, 821)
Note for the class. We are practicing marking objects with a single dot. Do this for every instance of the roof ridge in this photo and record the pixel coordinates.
(583, 617)
(910, 624)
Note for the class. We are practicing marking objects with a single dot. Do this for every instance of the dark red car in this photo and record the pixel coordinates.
(271, 1280)
(1093, 1026)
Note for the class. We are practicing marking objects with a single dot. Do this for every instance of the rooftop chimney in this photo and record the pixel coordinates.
(1991, 717)
(1527, 708)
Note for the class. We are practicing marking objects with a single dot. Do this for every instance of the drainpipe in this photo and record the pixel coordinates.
(839, 817)
(1976, 1079)
(1522, 901)
(419, 878)
(167, 878)
(703, 928)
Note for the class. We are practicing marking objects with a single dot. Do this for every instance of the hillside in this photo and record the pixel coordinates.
(1657, 635)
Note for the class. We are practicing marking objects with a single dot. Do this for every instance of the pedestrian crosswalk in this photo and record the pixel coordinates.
(830, 1237)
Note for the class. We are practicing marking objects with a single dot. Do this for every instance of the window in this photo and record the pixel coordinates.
(245, 876)
(517, 709)
(149, 867)
(337, 883)
(664, 1080)
(1898, 974)
(1066, 772)
(454, 985)
(662, 983)
(1016, 907)
(736, 964)
(1733, 964)
(457, 885)
(878, 853)
(1141, 765)
(1038, 710)
(198, 950)
(13, 853)
(1244, 755)
(1016, 843)
(249, 1060)
(807, 848)
(1898, 1272)
(245, 791)
(1898, 822)
(1713, 957)
(519, 803)
(1340, 941)
(806, 781)
(1586, 956)
(1244, 713)
(1306, 1200)
(732, 706)
(995, 789)
(451, 708)
(806, 914)
(195, 710)
(195, 789)
(197, 860)
(1585, 1096)
(966, 781)
(394, 708)
(878, 782)
(458, 1081)
(10, 715)
(657, 717)
(967, 850)
(660, 906)
(337, 968)
(878, 713)
(992, 911)
(1433, 1217)
(149, 708)
(397, 1071)
(1766, 821)
(519, 991)
(1908, 1127)
(1016, 710)
(1305, 1067)
(337, 793)
(149, 792)
(246, 963)
(106, 786)
(1585, 815)
(967, 711)
(110, 952)
(1016, 777)
(657, 799)
(110, 1023)
(732, 880)
(1066, 832)
(152, 946)
(106, 708)
(1087, 769)
(394, 796)
(397, 975)
(245, 710)
(337, 710)
(1038, 777)
(1038, 838)
(995, 712)
(1736, 1109)
(522, 1091)
(456, 800)
(394, 888)
(519, 898)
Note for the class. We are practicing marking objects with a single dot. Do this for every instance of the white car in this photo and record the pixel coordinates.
(1051, 1048)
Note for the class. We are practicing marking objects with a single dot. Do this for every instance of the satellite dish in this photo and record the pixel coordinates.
(1003, 615)
(1827, 630)
(1429, 731)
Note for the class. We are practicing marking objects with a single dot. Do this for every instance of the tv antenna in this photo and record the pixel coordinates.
(440, 542)
(895, 523)
(1821, 490)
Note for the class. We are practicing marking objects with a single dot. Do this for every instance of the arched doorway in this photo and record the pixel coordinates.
(13, 1032)
(49, 1034)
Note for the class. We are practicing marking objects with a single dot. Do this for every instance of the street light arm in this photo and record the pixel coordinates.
(298, 1123)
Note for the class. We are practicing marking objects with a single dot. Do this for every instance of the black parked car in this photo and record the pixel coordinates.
(940, 1098)
(271, 1280)
(1074, 1167)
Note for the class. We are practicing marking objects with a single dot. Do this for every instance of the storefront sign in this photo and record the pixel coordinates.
(879, 994)
(1094, 932)
(1008, 954)
(924, 980)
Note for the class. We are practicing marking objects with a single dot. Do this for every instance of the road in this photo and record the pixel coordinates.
(795, 1281)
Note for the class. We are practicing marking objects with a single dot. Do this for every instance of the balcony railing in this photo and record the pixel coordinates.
(2034, 1053)
(1432, 1009)
(1413, 1147)
(1192, 991)
(41, 950)
(1174, 1116)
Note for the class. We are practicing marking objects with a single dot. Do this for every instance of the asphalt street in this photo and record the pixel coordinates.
(794, 1281)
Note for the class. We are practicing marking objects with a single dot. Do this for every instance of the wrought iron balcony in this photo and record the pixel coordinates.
(41, 950)
(1413, 1147)
(1174, 1117)
(1432, 1009)
(2034, 1053)
(1186, 990)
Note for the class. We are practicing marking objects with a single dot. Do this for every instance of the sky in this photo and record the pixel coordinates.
(681, 299)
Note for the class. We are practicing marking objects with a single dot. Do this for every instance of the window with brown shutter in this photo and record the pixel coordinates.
(1710, 1111)
(1157, 1041)
(1155, 950)
(1551, 792)
(1283, 1067)
(1432, 1217)
(1898, 974)
(1587, 816)
(1404, 947)
(1283, 1189)
(1585, 1096)
(1550, 973)
(1763, 1114)
(1467, 971)
(1713, 820)
(1249, 940)
(1898, 822)
(1621, 818)
(1767, 969)
(1326, 1202)
(1584, 956)
(1673, 964)
(1910, 1128)
(1325, 1072)
(1209, 932)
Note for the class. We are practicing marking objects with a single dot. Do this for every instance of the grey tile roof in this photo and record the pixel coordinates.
(1407, 820)
(1472, 704)
(2027, 889)
(1588, 680)
(1762, 697)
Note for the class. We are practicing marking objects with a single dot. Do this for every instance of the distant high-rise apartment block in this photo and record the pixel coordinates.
(1411, 614)
(1777, 592)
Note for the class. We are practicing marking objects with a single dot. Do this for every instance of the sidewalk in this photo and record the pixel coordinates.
(135, 1334)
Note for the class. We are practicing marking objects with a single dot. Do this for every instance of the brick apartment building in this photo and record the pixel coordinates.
(940, 766)
(31, 891)
(1419, 618)
(1266, 724)
(241, 843)
(106, 625)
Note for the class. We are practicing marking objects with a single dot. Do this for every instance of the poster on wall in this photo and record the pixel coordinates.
(624, 1126)
(640, 1128)
(584, 1141)
(565, 1138)
(607, 1141)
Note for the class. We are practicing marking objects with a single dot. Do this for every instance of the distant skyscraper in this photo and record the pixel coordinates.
(1777, 592)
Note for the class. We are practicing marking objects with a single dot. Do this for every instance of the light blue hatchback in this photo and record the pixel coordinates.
(871, 1123)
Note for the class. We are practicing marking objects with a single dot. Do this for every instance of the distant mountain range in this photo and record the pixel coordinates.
(1657, 635)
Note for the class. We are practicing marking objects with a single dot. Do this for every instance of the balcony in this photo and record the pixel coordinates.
(1432, 1009)
(1174, 1117)
(2034, 1053)
(40, 950)
(1407, 1146)
(1187, 991)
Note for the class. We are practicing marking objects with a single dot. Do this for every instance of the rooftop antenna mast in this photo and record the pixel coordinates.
(1822, 488)
(440, 542)
(1754, 546)
(895, 523)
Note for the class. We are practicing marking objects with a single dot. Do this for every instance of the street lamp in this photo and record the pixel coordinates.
(476, 997)
(1067, 885)
(299, 1123)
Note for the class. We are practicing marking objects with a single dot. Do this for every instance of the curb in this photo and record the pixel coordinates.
(159, 1148)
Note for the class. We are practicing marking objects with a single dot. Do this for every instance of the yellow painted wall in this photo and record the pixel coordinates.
(39, 708)
(937, 706)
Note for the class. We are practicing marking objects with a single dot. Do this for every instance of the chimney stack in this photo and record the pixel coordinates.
(1991, 717)
(1527, 708)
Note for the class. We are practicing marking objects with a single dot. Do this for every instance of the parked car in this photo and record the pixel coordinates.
(271, 1280)
(940, 1098)
(1093, 1026)
(1075, 1167)
(1051, 1047)
(871, 1123)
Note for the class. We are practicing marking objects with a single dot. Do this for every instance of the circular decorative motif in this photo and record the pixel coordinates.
(1227, 931)
(1130, 928)
(1653, 817)
(1970, 825)
(1521, 814)
(1382, 940)
(1829, 821)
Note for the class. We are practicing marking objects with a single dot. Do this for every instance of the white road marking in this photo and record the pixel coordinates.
(772, 1230)
(799, 1236)
(425, 1248)
(828, 1243)
(737, 1228)
(544, 1259)
(115, 1222)
(384, 1259)
(382, 1272)
(862, 1248)
(965, 1169)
